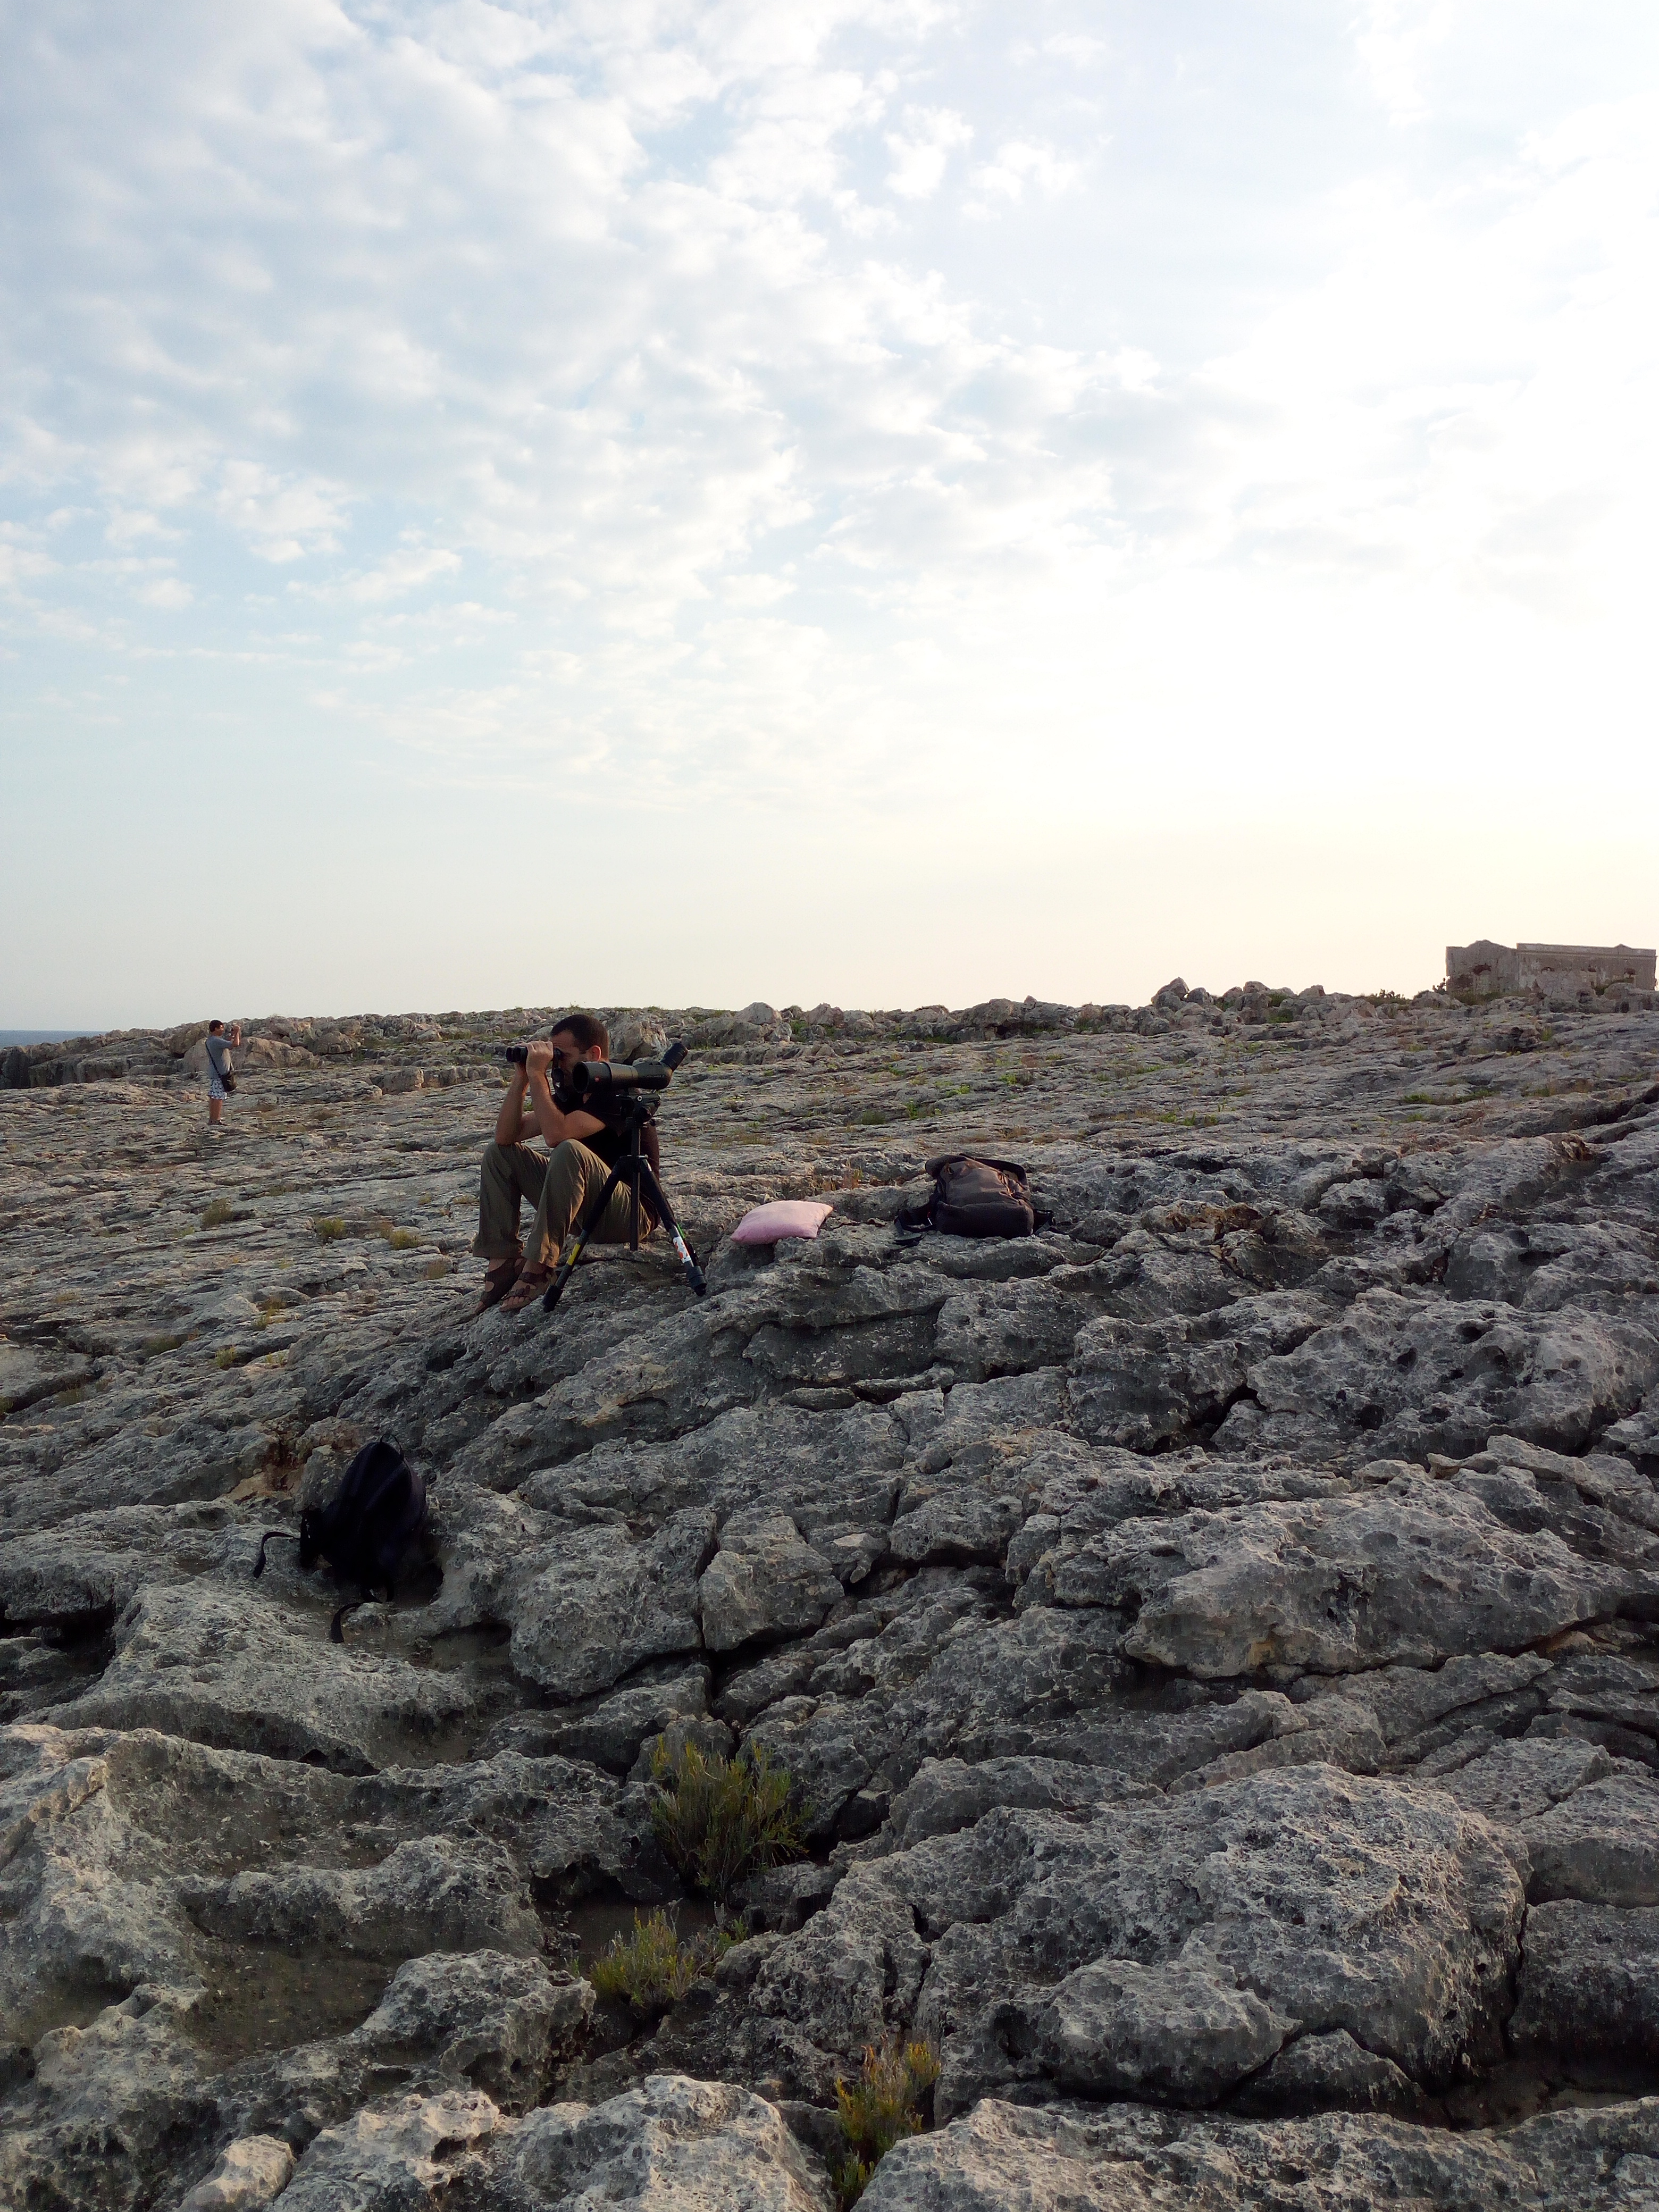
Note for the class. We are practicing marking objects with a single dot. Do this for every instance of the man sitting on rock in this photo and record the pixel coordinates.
(583, 1149)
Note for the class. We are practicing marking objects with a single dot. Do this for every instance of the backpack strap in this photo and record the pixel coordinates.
(259, 1563)
(335, 1633)
(912, 1222)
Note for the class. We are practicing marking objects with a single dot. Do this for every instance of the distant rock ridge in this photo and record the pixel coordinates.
(465, 1041)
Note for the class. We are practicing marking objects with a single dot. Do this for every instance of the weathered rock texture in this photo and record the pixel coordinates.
(1215, 1637)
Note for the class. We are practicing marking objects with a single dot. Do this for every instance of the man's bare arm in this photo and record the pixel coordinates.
(509, 1122)
(555, 1126)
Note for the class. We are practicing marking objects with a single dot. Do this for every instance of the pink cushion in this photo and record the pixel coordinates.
(784, 1217)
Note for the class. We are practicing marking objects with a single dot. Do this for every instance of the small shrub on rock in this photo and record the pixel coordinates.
(891, 2098)
(719, 1820)
(215, 1215)
(328, 1228)
(652, 1969)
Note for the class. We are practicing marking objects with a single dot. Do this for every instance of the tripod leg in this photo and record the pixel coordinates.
(652, 1189)
(574, 1250)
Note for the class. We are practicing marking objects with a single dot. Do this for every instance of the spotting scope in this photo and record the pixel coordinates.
(593, 1079)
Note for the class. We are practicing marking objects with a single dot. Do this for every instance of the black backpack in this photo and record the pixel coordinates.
(379, 1510)
(974, 1198)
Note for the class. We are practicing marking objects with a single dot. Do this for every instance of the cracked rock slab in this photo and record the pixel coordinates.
(1077, 2159)
(228, 1668)
(1339, 1902)
(603, 1604)
(764, 1583)
(1413, 1574)
(671, 2145)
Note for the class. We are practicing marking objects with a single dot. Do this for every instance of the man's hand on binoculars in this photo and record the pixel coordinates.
(539, 1056)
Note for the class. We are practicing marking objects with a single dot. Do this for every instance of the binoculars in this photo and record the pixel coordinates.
(606, 1078)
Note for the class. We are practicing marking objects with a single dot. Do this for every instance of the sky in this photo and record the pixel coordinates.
(883, 500)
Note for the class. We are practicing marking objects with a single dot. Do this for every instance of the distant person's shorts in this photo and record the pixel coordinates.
(215, 1088)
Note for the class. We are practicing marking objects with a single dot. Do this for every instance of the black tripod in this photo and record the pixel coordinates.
(633, 1170)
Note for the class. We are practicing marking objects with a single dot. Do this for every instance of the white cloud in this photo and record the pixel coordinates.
(171, 593)
(282, 518)
(1396, 40)
(1019, 164)
(400, 573)
(21, 563)
(921, 149)
(1077, 48)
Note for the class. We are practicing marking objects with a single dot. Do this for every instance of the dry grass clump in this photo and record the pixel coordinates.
(215, 1216)
(719, 1819)
(652, 1969)
(890, 2099)
(328, 1229)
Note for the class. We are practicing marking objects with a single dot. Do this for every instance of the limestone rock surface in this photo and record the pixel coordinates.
(1213, 1642)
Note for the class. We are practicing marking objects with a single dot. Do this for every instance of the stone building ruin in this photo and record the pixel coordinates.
(1486, 971)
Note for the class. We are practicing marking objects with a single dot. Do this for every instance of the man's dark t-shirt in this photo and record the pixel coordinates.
(611, 1141)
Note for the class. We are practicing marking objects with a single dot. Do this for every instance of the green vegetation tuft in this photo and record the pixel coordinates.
(227, 1356)
(719, 1819)
(890, 2099)
(215, 1215)
(153, 1345)
(328, 1228)
(652, 1969)
(403, 1240)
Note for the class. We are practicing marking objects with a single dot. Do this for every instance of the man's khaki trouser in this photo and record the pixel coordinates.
(560, 1186)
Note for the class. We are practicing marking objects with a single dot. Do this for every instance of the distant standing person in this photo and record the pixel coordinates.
(218, 1058)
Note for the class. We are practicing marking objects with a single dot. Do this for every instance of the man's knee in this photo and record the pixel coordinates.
(570, 1162)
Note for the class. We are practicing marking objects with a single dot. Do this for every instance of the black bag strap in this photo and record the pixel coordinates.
(259, 1563)
(336, 1634)
(937, 1167)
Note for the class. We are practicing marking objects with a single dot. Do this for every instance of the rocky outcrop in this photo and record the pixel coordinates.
(1129, 2160)
(1213, 1640)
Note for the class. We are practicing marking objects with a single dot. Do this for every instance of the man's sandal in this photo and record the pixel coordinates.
(499, 1281)
(528, 1288)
